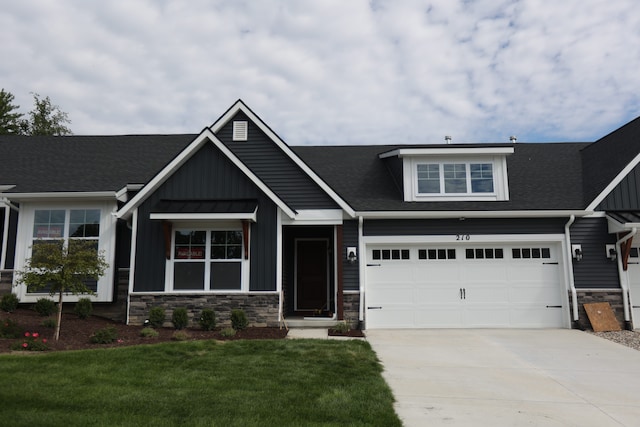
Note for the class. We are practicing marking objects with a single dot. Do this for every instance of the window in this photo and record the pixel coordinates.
(484, 253)
(431, 254)
(455, 178)
(394, 254)
(205, 260)
(529, 253)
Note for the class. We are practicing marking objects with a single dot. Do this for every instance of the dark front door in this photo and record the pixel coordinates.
(312, 274)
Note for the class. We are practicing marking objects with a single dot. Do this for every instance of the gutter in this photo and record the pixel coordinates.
(471, 214)
(623, 278)
(572, 283)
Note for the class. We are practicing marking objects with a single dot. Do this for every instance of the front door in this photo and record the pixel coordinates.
(312, 275)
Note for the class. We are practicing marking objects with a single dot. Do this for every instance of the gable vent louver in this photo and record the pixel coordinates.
(240, 130)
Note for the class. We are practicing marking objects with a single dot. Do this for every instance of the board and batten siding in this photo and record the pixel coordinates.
(434, 227)
(260, 154)
(208, 174)
(595, 270)
(350, 271)
(625, 196)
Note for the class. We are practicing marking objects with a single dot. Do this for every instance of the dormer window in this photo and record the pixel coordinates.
(448, 173)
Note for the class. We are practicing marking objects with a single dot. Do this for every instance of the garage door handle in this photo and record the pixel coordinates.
(554, 306)
(374, 308)
(554, 263)
(373, 265)
(463, 293)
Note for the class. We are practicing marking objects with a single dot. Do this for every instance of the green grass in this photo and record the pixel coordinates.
(200, 383)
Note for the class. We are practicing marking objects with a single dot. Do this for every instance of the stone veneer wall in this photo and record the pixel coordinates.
(6, 277)
(352, 308)
(612, 296)
(261, 308)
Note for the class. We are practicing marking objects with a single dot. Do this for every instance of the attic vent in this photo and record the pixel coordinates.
(240, 130)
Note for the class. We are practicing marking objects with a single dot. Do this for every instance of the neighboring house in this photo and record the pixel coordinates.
(397, 236)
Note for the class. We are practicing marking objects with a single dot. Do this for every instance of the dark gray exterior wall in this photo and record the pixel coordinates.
(260, 154)
(350, 272)
(11, 235)
(430, 227)
(207, 175)
(626, 195)
(595, 270)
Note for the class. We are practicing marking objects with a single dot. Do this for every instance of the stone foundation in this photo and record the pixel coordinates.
(6, 277)
(612, 296)
(261, 308)
(352, 308)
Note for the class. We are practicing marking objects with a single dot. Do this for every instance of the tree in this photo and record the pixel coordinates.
(47, 118)
(65, 268)
(11, 123)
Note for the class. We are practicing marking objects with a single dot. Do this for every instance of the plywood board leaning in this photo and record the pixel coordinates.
(601, 317)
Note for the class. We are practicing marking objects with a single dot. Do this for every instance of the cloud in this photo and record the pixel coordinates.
(332, 72)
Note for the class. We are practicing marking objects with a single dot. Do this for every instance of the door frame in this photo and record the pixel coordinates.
(295, 270)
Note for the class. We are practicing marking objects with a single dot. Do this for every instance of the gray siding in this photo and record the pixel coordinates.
(595, 270)
(350, 272)
(207, 175)
(426, 227)
(625, 196)
(275, 169)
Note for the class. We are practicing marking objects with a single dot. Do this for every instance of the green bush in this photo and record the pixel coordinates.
(9, 329)
(149, 333)
(49, 323)
(9, 303)
(208, 319)
(31, 341)
(341, 327)
(180, 336)
(45, 307)
(238, 319)
(228, 332)
(105, 335)
(83, 308)
(180, 318)
(156, 317)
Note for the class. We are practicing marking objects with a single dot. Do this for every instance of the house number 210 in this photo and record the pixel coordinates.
(463, 237)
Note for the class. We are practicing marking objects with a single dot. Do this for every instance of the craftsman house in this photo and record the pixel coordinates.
(513, 235)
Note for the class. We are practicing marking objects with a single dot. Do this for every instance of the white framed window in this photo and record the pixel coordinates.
(449, 178)
(61, 224)
(207, 260)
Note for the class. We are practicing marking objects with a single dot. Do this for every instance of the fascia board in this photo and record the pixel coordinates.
(470, 214)
(609, 188)
(240, 106)
(180, 159)
(63, 195)
(446, 150)
(203, 216)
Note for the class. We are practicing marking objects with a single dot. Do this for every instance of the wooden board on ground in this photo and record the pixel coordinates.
(601, 317)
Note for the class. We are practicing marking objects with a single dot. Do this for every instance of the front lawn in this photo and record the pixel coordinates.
(199, 383)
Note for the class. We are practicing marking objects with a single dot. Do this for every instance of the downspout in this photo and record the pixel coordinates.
(623, 278)
(572, 284)
(361, 265)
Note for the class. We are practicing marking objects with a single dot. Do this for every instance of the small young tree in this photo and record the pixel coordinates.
(46, 118)
(65, 269)
(11, 123)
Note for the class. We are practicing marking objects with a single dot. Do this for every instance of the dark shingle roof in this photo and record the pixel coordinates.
(541, 177)
(84, 163)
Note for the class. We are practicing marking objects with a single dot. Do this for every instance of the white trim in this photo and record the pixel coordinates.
(470, 214)
(64, 195)
(600, 197)
(176, 293)
(205, 216)
(316, 217)
(180, 159)
(123, 194)
(6, 187)
(455, 239)
(616, 227)
(5, 237)
(362, 263)
(279, 264)
(240, 106)
(446, 150)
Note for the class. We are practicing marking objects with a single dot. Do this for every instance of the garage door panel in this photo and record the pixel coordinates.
(438, 317)
(488, 272)
(535, 317)
(485, 293)
(389, 293)
(486, 315)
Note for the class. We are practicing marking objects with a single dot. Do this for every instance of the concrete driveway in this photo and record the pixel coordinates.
(550, 377)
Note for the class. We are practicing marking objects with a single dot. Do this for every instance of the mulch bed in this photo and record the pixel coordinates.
(75, 333)
(352, 333)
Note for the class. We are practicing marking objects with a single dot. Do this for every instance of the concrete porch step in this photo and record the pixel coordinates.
(310, 323)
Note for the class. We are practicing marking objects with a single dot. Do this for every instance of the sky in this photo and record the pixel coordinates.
(331, 71)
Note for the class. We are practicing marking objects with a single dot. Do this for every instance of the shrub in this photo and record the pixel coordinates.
(105, 335)
(208, 319)
(180, 336)
(9, 329)
(228, 332)
(9, 303)
(45, 307)
(156, 317)
(238, 319)
(149, 333)
(49, 323)
(341, 327)
(31, 342)
(180, 318)
(83, 308)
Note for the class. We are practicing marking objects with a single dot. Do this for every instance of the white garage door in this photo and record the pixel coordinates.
(446, 286)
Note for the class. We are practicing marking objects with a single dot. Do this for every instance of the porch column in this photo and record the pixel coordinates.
(340, 256)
